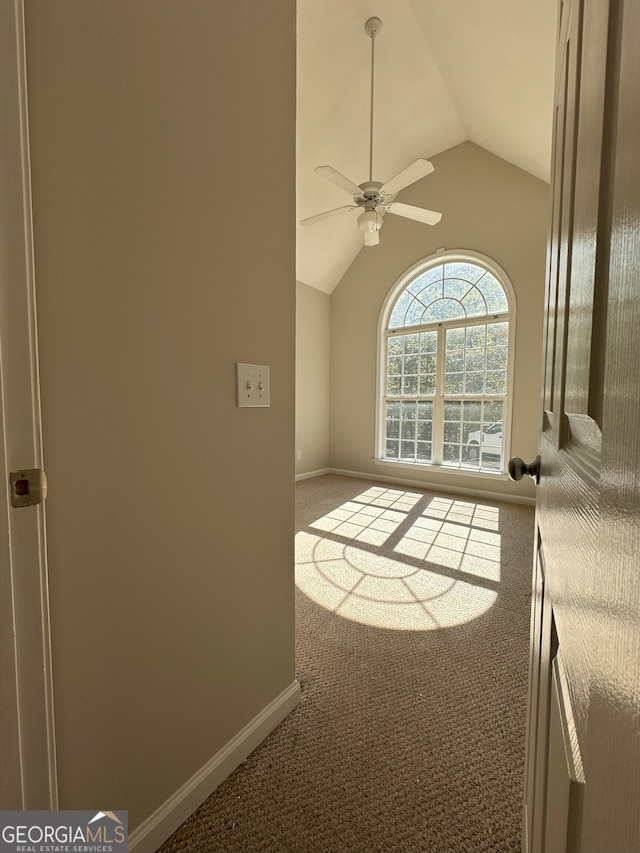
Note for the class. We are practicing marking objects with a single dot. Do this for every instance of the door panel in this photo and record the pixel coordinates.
(586, 264)
(612, 759)
(28, 778)
(583, 756)
(568, 462)
(565, 773)
(535, 659)
(538, 710)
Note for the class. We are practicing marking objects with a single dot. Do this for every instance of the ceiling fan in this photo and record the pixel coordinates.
(372, 197)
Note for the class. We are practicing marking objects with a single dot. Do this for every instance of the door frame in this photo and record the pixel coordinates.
(27, 735)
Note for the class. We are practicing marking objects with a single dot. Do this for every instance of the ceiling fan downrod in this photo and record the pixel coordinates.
(371, 197)
(372, 28)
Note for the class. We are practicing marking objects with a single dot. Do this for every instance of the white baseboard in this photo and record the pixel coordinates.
(154, 831)
(309, 474)
(436, 487)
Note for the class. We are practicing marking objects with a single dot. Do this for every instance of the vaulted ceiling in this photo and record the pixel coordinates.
(446, 71)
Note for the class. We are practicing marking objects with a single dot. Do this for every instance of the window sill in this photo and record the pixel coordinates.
(429, 467)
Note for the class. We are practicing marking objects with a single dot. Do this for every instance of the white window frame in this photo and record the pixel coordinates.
(438, 258)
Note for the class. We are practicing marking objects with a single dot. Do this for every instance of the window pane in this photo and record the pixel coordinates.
(496, 382)
(393, 449)
(469, 430)
(493, 293)
(474, 360)
(425, 411)
(496, 358)
(411, 344)
(408, 429)
(454, 288)
(451, 431)
(410, 365)
(394, 365)
(428, 342)
(424, 279)
(428, 363)
(471, 411)
(498, 334)
(493, 411)
(474, 383)
(410, 385)
(408, 410)
(455, 339)
(476, 336)
(443, 309)
(423, 451)
(430, 293)
(483, 441)
(474, 303)
(396, 345)
(473, 437)
(491, 445)
(454, 362)
(451, 453)
(424, 430)
(408, 450)
(428, 385)
(468, 272)
(414, 313)
(393, 424)
(397, 315)
(393, 386)
(453, 383)
(452, 411)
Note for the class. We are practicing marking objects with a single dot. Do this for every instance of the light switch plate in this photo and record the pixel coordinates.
(252, 385)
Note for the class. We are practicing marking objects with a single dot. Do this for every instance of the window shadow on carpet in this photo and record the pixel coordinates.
(402, 560)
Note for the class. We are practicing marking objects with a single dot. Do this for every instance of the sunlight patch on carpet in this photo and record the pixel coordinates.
(383, 592)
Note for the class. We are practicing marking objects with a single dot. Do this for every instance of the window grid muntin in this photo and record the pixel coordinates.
(487, 351)
(440, 398)
(485, 290)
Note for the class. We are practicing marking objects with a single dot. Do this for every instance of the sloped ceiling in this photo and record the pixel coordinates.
(446, 71)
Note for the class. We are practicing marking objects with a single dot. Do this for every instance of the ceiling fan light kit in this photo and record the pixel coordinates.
(370, 220)
(373, 196)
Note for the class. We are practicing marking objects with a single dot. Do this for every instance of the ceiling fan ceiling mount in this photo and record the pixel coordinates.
(373, 27)
(372, 195)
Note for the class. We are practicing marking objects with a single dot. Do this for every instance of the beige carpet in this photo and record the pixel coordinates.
(412, 653)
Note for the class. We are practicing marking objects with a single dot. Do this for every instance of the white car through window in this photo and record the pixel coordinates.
(489, 441)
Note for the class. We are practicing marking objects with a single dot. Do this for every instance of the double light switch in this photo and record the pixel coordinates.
(252, 385)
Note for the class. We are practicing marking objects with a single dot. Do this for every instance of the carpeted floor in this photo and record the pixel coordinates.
(412, 652)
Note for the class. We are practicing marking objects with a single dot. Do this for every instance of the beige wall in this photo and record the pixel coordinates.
(489, 207)
(313, 341)
(170, 511)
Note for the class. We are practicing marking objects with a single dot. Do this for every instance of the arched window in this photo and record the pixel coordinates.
(445, 345)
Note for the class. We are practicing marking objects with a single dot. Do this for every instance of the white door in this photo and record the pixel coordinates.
(27, 754)
(582, 785)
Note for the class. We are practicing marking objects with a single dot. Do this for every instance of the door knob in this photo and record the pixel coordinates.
(518, 468)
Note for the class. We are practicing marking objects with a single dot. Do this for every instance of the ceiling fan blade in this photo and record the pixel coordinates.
(429, 217)
(311, 220)
(330, 174)
(371, 238)
(407, 176)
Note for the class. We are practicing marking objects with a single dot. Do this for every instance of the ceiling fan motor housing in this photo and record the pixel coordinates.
(370, 192)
